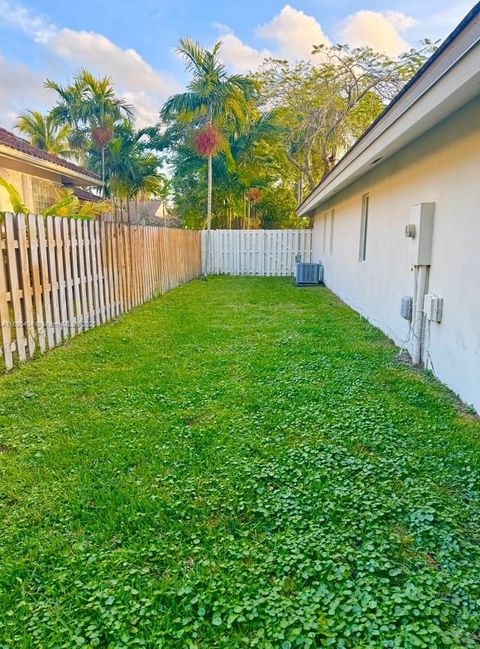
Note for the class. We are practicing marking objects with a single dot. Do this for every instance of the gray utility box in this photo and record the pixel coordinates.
(406, 309)
(420, 233)
(308, 274)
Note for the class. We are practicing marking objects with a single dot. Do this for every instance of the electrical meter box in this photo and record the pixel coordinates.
(433, 307)
(420, 234)
(406, 307)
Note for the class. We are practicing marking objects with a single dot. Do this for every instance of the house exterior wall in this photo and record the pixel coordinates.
(442, 166)
(33, 184)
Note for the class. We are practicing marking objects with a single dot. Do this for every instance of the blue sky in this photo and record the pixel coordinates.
(134, 42)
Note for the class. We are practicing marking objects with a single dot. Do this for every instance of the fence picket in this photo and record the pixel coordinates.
(27, 291)
(117, 269)
(94, 267)
(62, 297)
(83, 308)
(100, 273)
(36, 282)
(91, 322)
(46, 282)
(106, 271)
(67, 259)
(76, 282)
(4, 309)
(15, 288)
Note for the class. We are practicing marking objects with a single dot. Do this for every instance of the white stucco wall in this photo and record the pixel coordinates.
(443, 167)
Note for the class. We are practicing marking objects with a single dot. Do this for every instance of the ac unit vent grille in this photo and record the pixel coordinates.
(308, 274)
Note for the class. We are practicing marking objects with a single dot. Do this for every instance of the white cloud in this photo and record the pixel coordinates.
(294, 32)
(134, 78)
(33, 24)
(239, 56)
(291, 32)
(20, 88)
(383, 32)
(222, 28)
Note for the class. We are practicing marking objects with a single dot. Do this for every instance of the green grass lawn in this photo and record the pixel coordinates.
(239, 463)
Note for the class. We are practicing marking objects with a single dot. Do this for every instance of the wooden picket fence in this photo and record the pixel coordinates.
(61, 276)
(255, 252)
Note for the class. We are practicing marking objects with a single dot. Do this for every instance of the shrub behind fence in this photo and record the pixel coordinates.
(61, 276)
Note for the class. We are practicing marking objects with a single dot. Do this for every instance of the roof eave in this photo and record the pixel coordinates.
(85, 179)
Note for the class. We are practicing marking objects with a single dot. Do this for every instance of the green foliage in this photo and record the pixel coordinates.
(45, 132)
(219, 101)
(212, 94)
(130, 163)
(90, 122)
(69, 205)
(281, 130)
(90, 105)
(295, 122)
(14, 197)
(327, 104)
(239, 463)
(250, 157)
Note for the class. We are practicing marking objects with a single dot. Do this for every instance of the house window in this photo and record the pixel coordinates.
(324, 236)
(364, 228)
(332, 222)
(44, 194)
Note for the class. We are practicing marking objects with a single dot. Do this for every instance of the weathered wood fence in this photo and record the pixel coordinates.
(60, 276)
(255, 252)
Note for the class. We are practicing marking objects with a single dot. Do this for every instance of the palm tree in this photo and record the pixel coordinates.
(131, 168)
(213, 98)
(44, 131)
(91, 105)
(67, 111)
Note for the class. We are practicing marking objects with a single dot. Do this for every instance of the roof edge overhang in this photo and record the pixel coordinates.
(81, 178)
(449, 80)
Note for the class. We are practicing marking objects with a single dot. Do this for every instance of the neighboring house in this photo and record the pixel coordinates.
(151, 212)
(417, 165)
(146, 212)
(36, 173)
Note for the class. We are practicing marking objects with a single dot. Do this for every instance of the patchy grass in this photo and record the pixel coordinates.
(237, 464)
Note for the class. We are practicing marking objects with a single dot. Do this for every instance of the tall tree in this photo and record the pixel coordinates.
(213, 99)
(44, 131)
(131, 166)
(92, 106)
(253, 177)
(327, 104)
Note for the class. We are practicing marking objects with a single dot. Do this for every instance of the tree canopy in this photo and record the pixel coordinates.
(297, 120)
(231, 150)
(92, 125)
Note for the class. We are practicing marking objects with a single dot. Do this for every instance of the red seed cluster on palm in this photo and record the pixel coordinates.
(207, 141)
(254, 194)
(102, 135)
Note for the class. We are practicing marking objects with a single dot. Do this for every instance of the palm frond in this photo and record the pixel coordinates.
(192, 53)
(185, 106)
(14, 197)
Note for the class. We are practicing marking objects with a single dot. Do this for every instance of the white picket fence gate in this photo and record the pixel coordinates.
(255, 252)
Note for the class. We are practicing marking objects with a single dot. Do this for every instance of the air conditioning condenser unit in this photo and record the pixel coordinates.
(308, 274)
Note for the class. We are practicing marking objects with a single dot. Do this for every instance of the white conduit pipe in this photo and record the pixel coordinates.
(418, 315)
